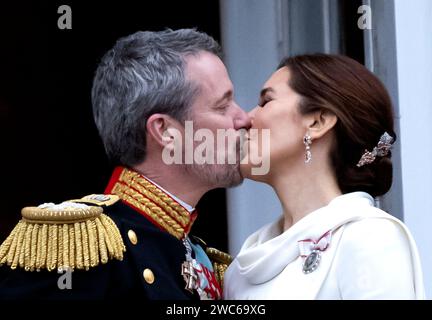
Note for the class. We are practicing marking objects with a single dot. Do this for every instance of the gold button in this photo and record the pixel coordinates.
(132, 237)
(148, 276)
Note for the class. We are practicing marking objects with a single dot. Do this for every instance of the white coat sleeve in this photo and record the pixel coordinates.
(374, 261)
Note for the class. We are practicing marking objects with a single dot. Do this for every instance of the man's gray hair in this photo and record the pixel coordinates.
(143, 74)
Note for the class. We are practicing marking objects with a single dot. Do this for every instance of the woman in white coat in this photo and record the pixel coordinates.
(331, 131)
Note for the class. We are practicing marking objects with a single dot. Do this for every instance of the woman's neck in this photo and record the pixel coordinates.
(304, 191)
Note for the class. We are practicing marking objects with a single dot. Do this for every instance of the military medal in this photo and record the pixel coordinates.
(189, 276)
(312, 261)
(198, 277)
(188, 271)
(311, 250)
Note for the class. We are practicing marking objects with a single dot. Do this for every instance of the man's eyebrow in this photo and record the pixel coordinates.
(227, 95)
(265, 90)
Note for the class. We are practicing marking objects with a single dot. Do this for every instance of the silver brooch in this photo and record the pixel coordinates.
(312, 261)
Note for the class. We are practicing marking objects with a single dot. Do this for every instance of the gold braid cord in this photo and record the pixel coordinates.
(220, 261)
(135, 190)
(57, 239)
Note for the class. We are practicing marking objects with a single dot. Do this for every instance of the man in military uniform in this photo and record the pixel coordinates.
(133, 240)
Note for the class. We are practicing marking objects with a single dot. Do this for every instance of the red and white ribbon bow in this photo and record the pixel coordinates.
(306, 246)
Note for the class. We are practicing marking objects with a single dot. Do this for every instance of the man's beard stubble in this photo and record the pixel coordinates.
(219, 175)
(216, 175)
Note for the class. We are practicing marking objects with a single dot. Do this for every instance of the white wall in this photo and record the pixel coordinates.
(413, 21)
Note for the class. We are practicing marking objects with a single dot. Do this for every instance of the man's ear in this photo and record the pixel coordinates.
(320, 122)
(163, 129)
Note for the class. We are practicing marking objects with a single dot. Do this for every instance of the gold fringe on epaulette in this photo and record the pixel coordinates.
(50, 240)
(219, 271)
(220, 261)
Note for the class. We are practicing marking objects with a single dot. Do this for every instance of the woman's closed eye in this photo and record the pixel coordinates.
(263, 102)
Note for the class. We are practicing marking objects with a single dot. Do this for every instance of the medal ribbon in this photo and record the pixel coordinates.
(306, 246)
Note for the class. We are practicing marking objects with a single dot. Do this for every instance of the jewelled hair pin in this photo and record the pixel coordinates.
(381, 150)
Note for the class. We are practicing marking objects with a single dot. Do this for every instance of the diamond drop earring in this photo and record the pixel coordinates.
(307, 140)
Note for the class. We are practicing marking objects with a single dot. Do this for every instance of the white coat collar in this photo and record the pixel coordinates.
(267, 252)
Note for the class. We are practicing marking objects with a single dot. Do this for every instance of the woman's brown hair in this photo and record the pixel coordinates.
(363, 107)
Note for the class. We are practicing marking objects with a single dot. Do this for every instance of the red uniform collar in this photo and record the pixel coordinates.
(152, 202)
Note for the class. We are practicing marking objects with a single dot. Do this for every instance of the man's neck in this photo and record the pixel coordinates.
(187, 206)
(175, 181)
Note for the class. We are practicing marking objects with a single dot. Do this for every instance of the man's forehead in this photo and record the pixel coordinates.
(206, 66)
(208, 72)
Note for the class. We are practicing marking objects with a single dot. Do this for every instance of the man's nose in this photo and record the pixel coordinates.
(242, 120)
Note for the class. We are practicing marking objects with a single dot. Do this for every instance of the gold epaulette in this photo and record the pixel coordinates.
(220, 261)
(68, 235)
(100, 200)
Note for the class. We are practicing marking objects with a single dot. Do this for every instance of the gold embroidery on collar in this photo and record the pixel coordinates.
(146, 197)
(159, 197)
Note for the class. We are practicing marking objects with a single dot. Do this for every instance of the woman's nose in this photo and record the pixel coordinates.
(252, 113)
(243, 120)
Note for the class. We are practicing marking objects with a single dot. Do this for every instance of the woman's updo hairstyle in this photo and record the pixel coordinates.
(363, 107)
